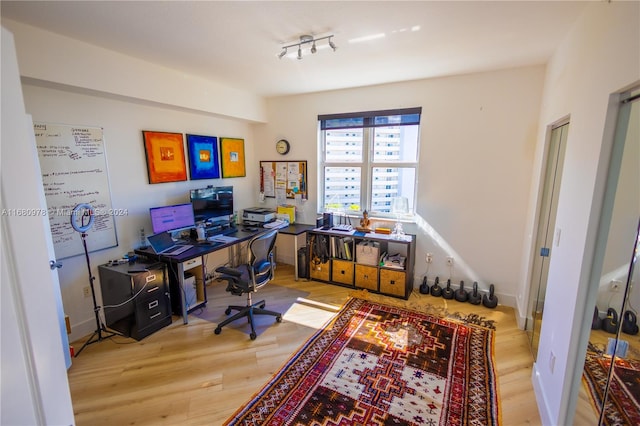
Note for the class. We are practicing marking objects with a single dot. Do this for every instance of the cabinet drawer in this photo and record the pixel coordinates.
(320, 271)
(152, 290)
(152, 309)
(393, 282)
(192, 263)
(148, 280)
(367, 277)
(342, 272)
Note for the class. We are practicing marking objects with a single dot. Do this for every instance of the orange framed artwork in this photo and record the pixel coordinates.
(232, 157)
(165, 156)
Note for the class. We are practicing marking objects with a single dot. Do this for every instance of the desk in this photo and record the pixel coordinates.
(192, 261)
(296, 229)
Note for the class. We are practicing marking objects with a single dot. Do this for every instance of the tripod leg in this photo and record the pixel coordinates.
(100, 328)
(96, 337)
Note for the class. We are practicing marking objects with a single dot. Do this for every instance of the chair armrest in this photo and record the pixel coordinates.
(229, 271)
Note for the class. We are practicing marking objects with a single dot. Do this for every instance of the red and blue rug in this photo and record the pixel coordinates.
(383, 365)
(622, 405)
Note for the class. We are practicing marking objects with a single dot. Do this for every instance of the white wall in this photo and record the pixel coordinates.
(122, 123)
(600, 56)
(55, 59)
(477, 144)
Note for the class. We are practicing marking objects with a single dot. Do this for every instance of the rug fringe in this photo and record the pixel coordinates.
(425, 308)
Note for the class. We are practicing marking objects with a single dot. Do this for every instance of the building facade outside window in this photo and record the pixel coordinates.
(367, 160)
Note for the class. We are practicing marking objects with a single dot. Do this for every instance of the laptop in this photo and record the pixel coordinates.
(162, 243)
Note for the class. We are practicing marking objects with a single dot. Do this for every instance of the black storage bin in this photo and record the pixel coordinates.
(303, 264)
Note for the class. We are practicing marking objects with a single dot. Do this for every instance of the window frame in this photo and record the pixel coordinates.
(367, 121)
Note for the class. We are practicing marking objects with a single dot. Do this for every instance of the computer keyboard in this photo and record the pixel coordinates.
(276, 224)
(344, 227)
(178, 250)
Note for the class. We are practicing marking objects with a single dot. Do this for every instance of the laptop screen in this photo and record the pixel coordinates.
(160, 242)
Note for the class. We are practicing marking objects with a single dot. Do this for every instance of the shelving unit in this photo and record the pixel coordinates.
(356, 261)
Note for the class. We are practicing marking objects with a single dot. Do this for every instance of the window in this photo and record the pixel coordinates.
(367, 159)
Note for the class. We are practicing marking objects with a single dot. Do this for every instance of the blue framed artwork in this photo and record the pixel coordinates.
(203, 157)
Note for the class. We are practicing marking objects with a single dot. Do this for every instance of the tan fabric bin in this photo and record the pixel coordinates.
(342, 271)
(392, 282)
(367, 277)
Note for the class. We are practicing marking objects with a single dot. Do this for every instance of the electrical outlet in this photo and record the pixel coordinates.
(86, 291)
(615, 285)
(429, 258)
(449, 260)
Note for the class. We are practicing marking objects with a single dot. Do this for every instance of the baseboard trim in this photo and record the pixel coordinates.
(541, 400)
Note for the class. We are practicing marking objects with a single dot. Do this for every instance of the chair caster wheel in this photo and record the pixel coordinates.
(217, 330)
(253, 336)
(227, 311)
(278, 319)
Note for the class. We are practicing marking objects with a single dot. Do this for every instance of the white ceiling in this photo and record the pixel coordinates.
(237, 42)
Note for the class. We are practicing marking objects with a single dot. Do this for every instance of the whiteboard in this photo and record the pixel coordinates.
(74, 171)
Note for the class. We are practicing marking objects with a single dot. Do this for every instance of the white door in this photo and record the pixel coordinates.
(35, 389)
(545, 235)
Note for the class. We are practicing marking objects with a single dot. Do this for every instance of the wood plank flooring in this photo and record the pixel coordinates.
(187, 375)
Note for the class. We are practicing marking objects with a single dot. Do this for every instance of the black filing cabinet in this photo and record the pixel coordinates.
(135, 298)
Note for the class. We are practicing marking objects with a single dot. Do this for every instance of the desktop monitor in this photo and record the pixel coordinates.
(212, 202)
(172, 218)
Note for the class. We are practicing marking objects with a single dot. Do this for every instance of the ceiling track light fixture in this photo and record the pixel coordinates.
(305, 40)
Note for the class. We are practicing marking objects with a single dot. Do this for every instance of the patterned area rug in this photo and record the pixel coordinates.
(623, 400)
(383, 365)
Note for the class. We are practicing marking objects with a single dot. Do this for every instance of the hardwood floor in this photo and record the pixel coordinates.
(187, 375)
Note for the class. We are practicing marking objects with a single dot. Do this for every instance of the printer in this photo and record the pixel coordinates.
(258, 215)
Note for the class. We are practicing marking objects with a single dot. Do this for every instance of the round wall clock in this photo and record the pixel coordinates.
(282, 146)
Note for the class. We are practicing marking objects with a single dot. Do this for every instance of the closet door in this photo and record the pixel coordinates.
(545, 235)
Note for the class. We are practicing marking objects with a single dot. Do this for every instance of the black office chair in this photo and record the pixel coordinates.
(249, 278)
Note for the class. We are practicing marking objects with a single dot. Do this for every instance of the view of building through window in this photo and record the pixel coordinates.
(368, 160)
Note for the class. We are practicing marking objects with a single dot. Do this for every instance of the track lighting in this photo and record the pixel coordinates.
(333, 46)
(305, 40)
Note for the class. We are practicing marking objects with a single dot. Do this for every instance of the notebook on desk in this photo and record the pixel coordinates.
(162, 243)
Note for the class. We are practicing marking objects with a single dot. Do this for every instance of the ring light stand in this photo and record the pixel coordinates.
(78, 215)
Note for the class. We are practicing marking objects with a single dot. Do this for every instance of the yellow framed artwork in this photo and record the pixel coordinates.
(165, 156)
(232, 157)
